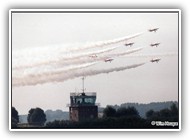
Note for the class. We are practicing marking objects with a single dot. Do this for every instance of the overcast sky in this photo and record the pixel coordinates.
(152, 82)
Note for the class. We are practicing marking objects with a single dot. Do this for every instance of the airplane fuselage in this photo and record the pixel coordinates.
(155, 44)
(155, 60)
(129, 44)
(108, 60)
(153, 30)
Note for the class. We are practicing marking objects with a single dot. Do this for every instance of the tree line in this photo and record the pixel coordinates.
(123, 117)
(36, 116)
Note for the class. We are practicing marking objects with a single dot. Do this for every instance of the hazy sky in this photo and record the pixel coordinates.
(151, 82)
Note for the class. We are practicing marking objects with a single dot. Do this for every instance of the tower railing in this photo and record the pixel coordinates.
(76, 105)
(86, 94)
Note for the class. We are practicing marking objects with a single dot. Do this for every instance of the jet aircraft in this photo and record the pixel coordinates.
(153, 30)
(155, 60)
(129, 44)
(154, 44)
(108, 60)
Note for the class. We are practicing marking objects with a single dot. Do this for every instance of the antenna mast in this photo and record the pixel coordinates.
(83, 89)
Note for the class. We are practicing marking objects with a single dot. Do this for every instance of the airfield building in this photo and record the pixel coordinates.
(82, 106)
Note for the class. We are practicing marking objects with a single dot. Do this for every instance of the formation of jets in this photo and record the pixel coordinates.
(154, 44)
(131, 44)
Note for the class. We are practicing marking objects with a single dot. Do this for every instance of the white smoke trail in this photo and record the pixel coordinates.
(153, 55)
(29, 64)
(127, 52)
(117, 69)
(32, 64)
(87, 59)
(63, 65)
(66, 65)
(118, 41)
(36, 56)
(49, 69)
(60, 76)
(23, 75)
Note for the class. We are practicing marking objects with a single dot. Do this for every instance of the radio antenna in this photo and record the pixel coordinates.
(83, 89)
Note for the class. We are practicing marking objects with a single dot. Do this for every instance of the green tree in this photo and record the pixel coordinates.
(174, 110)
(150, 114)
(14, 117)
(127, 112)
(122, 111)
(36, 116)
(109, 111)
(165, 113)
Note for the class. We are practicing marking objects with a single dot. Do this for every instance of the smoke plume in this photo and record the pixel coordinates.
(61, 75)
(32, 66)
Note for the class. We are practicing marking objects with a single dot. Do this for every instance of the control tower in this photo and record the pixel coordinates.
(82, 106)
